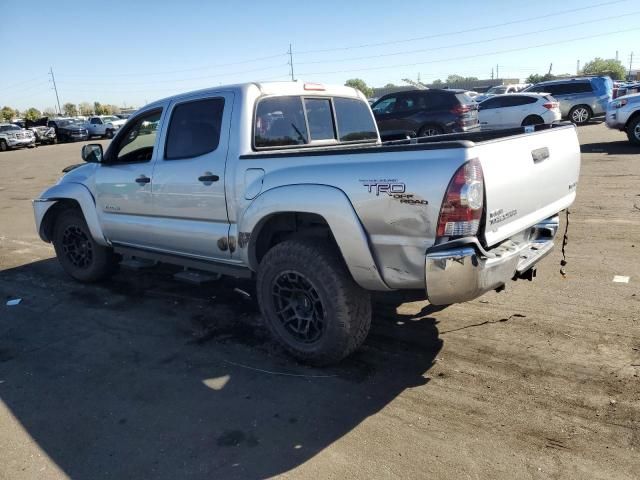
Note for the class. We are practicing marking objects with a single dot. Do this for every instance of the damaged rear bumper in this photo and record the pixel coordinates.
(462, 270)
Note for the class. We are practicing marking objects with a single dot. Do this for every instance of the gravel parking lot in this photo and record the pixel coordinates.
(142, 377)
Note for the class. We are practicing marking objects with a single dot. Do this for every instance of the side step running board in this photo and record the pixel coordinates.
(187, 262)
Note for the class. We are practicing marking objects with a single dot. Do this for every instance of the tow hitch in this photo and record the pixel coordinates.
(528, 275)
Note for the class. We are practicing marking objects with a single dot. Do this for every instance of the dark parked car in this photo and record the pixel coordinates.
(425, 113)
(69, 130)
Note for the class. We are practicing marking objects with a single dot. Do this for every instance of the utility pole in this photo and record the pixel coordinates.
(630, 64)
(291, 63)
(550, 67)
(616, 55)
(497, 71)
(491, 73)
(56, 89)
(578, 68)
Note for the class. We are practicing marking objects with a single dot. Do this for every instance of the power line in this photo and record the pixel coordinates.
(226, 74)
(457, 32)
(466, 57)
(167, 72)
(466, 44)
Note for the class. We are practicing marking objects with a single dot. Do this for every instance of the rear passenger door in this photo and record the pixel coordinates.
(489, 114)
(188, 178)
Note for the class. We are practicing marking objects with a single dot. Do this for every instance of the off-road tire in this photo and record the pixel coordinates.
(575, 117)
(532, 120)
(98, 262)
(109, 133)
(345, 305)
(633, 130)
(4, 146)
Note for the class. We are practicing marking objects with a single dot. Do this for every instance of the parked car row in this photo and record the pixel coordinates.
(437, 111)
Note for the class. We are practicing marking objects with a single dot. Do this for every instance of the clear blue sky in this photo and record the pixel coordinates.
(132, 52)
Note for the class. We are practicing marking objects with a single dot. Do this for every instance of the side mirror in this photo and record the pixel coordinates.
(92, 153)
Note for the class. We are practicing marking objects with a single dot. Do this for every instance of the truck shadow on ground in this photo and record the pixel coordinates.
(622, 147)
(141, 377)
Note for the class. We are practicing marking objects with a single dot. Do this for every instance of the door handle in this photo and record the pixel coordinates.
(142, 179)
(208, 177)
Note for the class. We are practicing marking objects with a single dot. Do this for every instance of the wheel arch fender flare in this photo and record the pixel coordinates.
(333, 205)
(76, 192)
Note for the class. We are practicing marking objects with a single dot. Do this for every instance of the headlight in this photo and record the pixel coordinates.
(619, 103)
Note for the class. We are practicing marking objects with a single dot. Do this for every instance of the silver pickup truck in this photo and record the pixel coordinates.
(289, 183)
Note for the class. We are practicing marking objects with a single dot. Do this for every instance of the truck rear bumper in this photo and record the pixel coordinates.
(465, 270)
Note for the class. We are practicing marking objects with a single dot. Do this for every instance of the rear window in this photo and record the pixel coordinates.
(281, 121)
(354, 120)
(464, 99)
(320, 118)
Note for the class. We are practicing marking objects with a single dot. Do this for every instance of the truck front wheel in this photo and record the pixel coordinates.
(633, 130)
(310, 302)
(78, 253)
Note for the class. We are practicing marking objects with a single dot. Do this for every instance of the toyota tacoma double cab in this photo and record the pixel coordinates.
(290, 184)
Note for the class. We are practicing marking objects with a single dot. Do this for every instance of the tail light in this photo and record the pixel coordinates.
(460, 109)
(463, 202)
(550, 105)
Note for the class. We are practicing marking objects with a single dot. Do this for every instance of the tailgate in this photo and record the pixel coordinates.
(528, 178)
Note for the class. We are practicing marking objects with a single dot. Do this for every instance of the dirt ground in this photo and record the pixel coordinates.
(142, 377)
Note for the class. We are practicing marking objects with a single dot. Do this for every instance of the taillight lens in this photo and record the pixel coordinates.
(461, 209)
(460, 109)
(550, 105)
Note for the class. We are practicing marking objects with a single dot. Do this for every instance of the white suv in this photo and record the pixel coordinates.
(12, 136)
(104, 126)
(518, 110)
(623, 114)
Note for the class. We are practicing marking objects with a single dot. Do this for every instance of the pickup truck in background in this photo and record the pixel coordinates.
(104, 126)
(289, 183)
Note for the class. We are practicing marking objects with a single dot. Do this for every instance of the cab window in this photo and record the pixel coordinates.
(137, 141)
(280, 122)
(194, 129)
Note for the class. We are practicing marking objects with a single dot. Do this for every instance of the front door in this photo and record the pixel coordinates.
(189, 203)
(123, 182)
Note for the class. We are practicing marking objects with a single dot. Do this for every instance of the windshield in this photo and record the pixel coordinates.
(64, 123)
(497, 90)
(12, 127)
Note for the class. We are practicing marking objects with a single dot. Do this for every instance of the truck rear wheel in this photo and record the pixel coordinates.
(78, 253)
(310, 302)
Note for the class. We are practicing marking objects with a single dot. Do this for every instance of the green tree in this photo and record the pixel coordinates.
(389, 85)
(100, 109)
(32, 114)
(49, 112)
(85, 109)
(459, 79)
(601, 66)
(537, 78)
(360, 84)
(437, 83)
(70, 109)
(7, 113)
